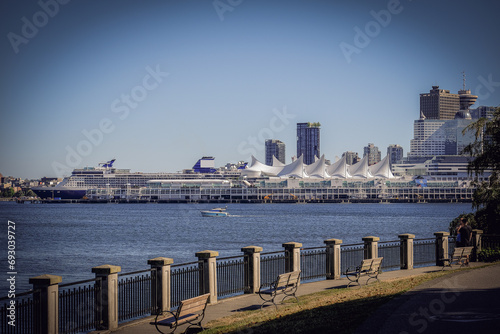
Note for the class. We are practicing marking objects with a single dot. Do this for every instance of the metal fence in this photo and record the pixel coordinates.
(136, 294)
(185, 281)
(390, 251)
(272, 265)
(424, 252)
(312, 263)
(351, 256)
(230, 275)
(77, 306)
(490, 241)
(25, 313)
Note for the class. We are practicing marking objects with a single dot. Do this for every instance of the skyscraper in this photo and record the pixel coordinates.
(351, 157)
(275, 148)
(395, 153)
(439, 104)
(373, 154)
(308, 141)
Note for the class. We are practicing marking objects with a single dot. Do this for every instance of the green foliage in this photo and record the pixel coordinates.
(486, 152)
(30, 193)
(9, 192)
(489, 255)
(20, 193)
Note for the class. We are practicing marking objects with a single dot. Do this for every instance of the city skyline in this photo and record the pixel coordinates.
(159, 85)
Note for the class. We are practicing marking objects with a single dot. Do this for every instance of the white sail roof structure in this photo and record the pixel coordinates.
(317, 169)
(360, 169)
(295, 169)
(262, 169)
(339, 169)
(277, 163)
(382, 169)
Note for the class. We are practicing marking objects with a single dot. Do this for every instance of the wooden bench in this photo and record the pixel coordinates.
(190, 311)
(285, 284)
(460, 255)
(369, 267)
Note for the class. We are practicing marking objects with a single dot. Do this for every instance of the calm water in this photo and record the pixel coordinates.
(69, 239)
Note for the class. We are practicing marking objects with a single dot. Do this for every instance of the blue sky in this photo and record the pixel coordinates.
(158, 84)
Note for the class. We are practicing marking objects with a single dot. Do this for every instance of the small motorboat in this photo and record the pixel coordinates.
(215, 212)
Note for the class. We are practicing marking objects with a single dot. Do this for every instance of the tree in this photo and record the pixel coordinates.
(486, 152)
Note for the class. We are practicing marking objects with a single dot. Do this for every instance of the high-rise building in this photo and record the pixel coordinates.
(395, 153)
(275, 148)
(439, 104)
(373, 154)
(482, 111)
(433, 137)
(308, 141)
(351, 157)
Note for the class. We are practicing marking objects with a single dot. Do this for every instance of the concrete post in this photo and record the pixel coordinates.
(161, 292)
(252, 268)
(406, 250)
(371, 247)
(48, 303)
(441, 247)
(333, 258)
(476, 242)
(292, 256)
(208, 275)
(108, 305)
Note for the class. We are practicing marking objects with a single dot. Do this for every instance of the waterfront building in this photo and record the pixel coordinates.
(308, 141)
(351, 157)
(395, 153)
(439, 104)
(428, 137)
(275, 148)
(482, 111)
(373, 153)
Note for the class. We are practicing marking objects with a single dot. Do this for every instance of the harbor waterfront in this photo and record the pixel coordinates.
(68, 240)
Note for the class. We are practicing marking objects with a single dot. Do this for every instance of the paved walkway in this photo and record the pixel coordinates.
(456, 303)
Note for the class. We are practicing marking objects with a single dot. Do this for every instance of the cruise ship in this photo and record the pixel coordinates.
(439, 178)
(108, 179)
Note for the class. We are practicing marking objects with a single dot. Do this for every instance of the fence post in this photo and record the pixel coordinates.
(161, 293)
(208, 274)
(476, 242)
(292, 256)
(333, 258)
(48, 303)
(252, 268)
(441, 247)
(406, 250)
(371, 247)
(107, 303)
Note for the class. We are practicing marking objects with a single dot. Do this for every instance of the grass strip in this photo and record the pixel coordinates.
(338, 310)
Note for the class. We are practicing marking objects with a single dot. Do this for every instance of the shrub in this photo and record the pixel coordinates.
(489, 255)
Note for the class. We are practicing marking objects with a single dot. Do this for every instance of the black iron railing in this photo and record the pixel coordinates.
(490, 241)
(185, 281)
(230, 275)
(424, 252)
(23, 317)
(312, 263)
(272, 265)
(390, 251)
(351, 256)
(77, 306)
(136, 294)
